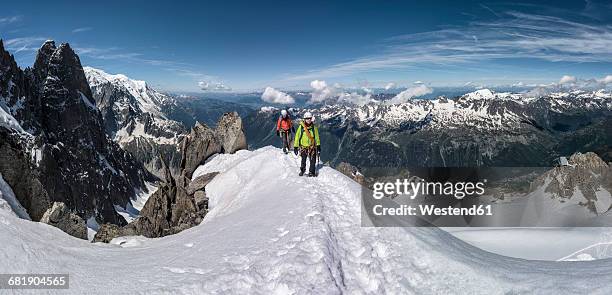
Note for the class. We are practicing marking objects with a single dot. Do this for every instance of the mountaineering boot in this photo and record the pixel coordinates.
(312, 175)
(301, 172)
(285, 150)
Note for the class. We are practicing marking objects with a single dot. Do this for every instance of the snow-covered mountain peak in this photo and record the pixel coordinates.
(148, 99)
(134, 116)
(480, 94)
(100, 76)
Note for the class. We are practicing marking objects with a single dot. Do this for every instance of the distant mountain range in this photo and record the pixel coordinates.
(481, 128)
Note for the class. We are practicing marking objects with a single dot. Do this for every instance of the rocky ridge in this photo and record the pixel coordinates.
(180, 203)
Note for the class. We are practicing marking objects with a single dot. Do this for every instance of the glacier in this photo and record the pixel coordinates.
(270, 231)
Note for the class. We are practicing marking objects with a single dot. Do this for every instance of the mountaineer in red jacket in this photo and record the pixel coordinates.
(284, 129)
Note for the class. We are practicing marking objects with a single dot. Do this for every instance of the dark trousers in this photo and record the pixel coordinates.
(311, 154)
(286, 137)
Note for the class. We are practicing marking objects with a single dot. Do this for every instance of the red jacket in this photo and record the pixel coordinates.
(284, 123)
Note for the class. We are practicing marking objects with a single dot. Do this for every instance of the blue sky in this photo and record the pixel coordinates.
(248, 45)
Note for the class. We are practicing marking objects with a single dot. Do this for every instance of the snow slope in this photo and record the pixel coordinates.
(7, 120)
(545, 243)
(272, 232)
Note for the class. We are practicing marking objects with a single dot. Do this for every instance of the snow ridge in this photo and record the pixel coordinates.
(270, 231)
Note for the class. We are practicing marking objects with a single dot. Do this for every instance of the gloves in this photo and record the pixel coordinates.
(295, 150)
(319, 149)
(277, 133)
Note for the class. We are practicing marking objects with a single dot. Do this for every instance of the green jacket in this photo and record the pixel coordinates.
(302, 140)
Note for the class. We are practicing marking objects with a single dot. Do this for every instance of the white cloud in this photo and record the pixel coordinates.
(203, 85)
(567, 80)
(390, 85)
(222, 87)
(418, 82)
(606, 80)
(274, 96)
(355, 98)
(321, 91)
(209, 86)
(83, 29)
(411, 92)
(366, 89)
(10, 19)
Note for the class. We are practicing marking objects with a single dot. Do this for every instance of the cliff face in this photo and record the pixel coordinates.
(61, 153)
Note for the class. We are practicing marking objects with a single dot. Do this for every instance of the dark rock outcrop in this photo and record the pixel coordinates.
(60, 216)
(107, 232)
(199, 145)
(170, 210)
(352, 172)
(200, 182)
(23, 177)
(201, 200)
(230, 133)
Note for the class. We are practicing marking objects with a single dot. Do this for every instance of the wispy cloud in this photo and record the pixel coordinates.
(205, 81)
(17, 45)
(513, 35)
(10, 19)
(114, 53)
(82, 29)
(489, 9)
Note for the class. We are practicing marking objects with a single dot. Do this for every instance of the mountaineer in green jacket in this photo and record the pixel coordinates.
(307, 143)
